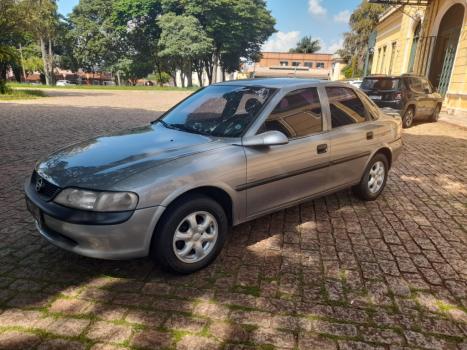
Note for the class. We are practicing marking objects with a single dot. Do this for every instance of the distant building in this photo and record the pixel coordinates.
(300, 65)
(430, 40)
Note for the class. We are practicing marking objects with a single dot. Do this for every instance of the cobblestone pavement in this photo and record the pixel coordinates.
(335, 273)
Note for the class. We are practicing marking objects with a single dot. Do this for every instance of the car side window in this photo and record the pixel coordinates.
(346, 107)
(427, 86)
(298, 114)
(416, 85)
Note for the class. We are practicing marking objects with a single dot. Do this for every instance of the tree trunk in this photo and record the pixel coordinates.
(189, 74)
(215, 64)
(22, 62)
(118, 78)
(50, 59)
(208, 66)
(44, 61)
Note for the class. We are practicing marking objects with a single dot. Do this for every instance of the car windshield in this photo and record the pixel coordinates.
(380, 84)
(218, 110)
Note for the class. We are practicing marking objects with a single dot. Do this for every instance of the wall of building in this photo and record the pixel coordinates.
(271, 59)
(397, 27)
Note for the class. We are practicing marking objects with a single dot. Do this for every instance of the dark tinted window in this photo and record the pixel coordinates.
(380, 84)
(346, 107)
(218, 110)
(416, 85)
(297, 114)
(427, 86)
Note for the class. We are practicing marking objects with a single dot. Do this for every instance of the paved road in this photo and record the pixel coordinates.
(332, 273)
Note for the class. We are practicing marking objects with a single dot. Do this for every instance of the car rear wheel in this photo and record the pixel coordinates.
(407, 119)
(190, 234)
(374, 179)
(435, 116)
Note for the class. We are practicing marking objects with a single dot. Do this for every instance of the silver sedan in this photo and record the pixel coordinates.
(227, 154)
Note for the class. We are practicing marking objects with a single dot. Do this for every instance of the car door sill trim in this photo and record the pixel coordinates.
(299, 172)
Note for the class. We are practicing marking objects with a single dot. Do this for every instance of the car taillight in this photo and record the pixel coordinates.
(398, 96)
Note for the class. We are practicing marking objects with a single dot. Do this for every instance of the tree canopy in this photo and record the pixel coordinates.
(362, 22)
(134, 38)
(307, 45)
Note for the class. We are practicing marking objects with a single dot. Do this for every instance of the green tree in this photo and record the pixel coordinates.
(307, 45)
(42, 21)
(135, 23)
(362, 22)
(238, 29)
(183, 42)
(94, 43)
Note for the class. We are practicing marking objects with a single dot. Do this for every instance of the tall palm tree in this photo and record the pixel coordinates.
(307, 45)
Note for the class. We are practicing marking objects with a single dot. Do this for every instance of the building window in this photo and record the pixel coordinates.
(284, 63)
(383, 59)
(413, 50)
(378, 61)
(308, 64)
(295, 64)
(320, 65)
(393, 56)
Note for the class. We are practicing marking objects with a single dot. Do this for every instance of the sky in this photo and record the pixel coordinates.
(325, 20)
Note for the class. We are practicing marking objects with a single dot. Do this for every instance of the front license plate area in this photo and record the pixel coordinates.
(35, 211)
(376, 97)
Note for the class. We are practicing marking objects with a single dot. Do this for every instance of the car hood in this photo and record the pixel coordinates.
(101, 162)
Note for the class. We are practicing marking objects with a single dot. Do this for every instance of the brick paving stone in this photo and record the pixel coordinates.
(66, 326)
(335, 265)
(151, 339)
(192, 342)
(13, 340)
(108, 332)
(61, 344)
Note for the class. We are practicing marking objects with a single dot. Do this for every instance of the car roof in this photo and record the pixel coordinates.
(274, 82)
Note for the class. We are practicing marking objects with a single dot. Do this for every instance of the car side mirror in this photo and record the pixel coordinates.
(268, 138)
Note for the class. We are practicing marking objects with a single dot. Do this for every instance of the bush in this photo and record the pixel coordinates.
(4, 88)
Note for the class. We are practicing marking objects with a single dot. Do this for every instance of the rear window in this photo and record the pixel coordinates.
(381, 84)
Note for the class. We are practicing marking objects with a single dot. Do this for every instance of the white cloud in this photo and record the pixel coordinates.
(332, 47)
(315, 8)
(281, 41)
(343, 16)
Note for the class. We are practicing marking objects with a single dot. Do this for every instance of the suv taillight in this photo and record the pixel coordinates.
(398, 96)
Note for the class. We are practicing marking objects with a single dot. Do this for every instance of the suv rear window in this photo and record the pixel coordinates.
(382, 84)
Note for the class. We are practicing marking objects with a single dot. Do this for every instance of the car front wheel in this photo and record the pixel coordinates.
(435, 116)
(407, 119)
(374, 179)
(190, 234)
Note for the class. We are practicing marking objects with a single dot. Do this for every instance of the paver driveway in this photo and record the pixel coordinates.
(332, 273)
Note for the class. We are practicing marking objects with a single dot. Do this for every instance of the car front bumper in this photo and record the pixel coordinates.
(125, 239)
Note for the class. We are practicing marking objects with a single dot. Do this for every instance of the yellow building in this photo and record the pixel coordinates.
(429, 39)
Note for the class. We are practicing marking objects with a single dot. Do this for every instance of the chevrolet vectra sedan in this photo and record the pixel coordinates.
(229, 153)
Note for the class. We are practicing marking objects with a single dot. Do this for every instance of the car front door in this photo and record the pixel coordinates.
(352, 136)
(430, 99)
(278, 176)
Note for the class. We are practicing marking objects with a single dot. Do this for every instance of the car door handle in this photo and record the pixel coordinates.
(369, 135)
(323, 148)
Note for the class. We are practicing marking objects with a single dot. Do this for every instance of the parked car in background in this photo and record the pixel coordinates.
(229, 153)
(64, 83)
(357, 83)
(412, 96)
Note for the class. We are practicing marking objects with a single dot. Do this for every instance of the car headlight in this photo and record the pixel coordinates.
(97, 201)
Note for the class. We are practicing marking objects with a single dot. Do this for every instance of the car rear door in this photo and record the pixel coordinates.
(278, 176)
(352, 135)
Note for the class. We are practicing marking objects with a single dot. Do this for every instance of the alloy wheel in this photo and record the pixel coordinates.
(376, 177)
(195, 237)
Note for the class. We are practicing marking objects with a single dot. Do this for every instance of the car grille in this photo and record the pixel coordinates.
(46, 189)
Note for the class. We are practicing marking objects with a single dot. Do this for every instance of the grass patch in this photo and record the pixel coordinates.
(102, 87)
(19, 94)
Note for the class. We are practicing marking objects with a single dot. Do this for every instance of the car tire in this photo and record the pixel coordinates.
(435, 116)
(181, 243)
(408, 117)
(374, 179)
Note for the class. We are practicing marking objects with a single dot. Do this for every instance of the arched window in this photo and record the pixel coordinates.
(413, 50)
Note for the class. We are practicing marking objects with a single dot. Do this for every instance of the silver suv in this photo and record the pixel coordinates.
(227, 154)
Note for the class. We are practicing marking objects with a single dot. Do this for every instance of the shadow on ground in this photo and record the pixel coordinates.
(332, 272)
